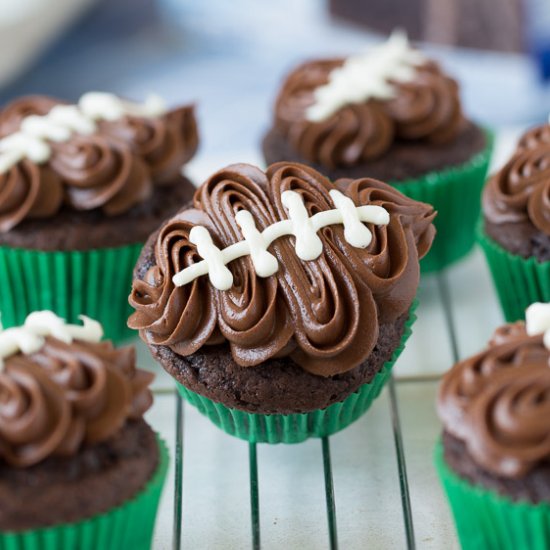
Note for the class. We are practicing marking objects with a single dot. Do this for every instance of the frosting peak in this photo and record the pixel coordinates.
(104, 152)
(323, 311)
(61, 388)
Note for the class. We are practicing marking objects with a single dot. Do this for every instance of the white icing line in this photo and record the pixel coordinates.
(366, 76)
(537, 321)
(308, 244)
(31, 141)
(219, 275)
(304, 228)
(105, 106)
(30, 337)
(265, 263)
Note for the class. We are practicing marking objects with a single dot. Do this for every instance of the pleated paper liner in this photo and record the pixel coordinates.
(456, 195)
(128, 526)
(486, 520)
(294, 428)
(518, 281)
(70, 283)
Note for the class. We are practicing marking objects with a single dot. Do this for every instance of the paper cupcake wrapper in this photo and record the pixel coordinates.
(129, 525)
(294, 428)
(518, 281)
(70, 283)
(456, 195)
(487, 520)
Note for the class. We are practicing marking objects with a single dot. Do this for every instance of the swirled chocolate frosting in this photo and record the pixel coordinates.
(112, 169)
(520, 191)
(323, 313)
(65, 396)
(424, 108)
(498, 403)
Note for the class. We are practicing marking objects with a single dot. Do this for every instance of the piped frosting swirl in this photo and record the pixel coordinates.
(342, 112)
(104, 153)
(520, 191)
(61, 388)
(498, 401)
(324, 313)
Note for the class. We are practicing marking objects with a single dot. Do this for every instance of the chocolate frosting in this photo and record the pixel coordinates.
(498, 403)
(520, 191)
(112, 169)
(426, 108)
(64, 396)
(323, 313)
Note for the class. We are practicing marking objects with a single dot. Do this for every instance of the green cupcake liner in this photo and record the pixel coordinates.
(70, 283)
(295, 428)
(129, 525)
(518, 281)
(486, 520)
(456, 195)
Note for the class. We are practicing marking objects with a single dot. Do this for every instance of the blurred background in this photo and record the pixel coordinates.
(229, 57)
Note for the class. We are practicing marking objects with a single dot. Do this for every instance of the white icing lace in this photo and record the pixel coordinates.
(30, 337)
(366, 76)
(255, 244)
(31, 141)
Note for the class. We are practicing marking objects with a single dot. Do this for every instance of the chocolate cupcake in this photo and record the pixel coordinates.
(391, 114)
(279, 301)
(81, 188)
(515, 230)
(494, 458)
(79, 467)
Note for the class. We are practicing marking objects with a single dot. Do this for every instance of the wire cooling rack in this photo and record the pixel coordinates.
(440, 298)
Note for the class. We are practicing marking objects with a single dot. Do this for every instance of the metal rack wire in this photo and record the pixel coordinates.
(331, 506)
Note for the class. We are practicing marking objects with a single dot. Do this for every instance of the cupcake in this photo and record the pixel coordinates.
(494, 457)
(279, 301)
(515, 228)
(392, 114)
(81, 188)
(79, 467)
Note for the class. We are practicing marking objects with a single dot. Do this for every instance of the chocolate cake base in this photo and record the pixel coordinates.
(65, 490)
(405, 159)
(522, 238)
(278, 385)
(533, 487)
(87, 230)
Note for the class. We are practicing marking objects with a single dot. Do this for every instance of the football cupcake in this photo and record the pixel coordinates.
(494, 458)
(81, 188)
(393, 114)
(515, 229)
(279, 300)
(79, 467)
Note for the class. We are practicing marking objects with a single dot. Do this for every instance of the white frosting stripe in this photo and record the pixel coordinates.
(104, 106)
(219, 275)
(355, 232)
(537, 321)
(304, 228)
(308, 244)
(366, 76)
(30, 337)
(31, 141)
(264, 262)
